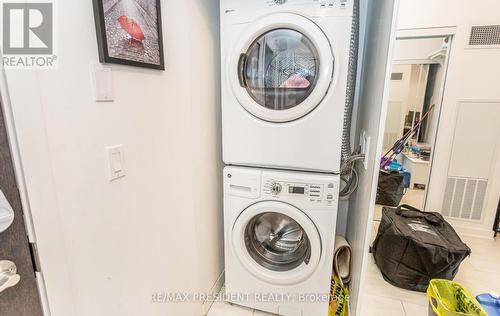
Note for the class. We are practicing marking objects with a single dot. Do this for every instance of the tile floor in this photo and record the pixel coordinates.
(413, 197)
(479, 274)
(224, 309)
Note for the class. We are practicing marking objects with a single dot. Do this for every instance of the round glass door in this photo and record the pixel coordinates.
(281, 69)
(277, 242)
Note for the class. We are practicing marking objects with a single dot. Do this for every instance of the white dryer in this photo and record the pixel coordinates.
(285, 66)
(279, 239)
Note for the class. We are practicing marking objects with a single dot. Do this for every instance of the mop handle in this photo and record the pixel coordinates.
(409, 134)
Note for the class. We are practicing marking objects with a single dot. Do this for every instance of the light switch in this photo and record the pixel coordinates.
(115, 161)
(103, 83)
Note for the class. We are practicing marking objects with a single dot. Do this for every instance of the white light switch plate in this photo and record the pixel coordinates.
(102, 79)
(116, 164)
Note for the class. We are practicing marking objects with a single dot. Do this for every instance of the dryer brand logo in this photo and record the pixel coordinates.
(28, 34)
(276, 2)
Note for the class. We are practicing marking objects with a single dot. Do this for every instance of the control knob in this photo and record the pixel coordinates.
(276, 188)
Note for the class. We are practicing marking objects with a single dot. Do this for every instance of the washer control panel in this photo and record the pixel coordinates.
(323, 4)
(313, 192)
(334, 4)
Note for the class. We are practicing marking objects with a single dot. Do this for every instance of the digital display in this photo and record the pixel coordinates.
(297, 190)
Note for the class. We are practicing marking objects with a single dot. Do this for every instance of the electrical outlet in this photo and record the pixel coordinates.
(362, 142)
(367, 151)
(102, 80)
(365, 140)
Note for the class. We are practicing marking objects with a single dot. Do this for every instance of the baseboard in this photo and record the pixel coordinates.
(216, 288)
(474, 232)
(42, 291)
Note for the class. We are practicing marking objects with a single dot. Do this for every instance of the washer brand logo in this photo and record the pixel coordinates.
(28, 34)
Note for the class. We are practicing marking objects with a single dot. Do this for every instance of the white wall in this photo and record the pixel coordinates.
(107, 247)
(413, 50)
(398, 105)
(400, 89)
(418, 85)
(472, 75)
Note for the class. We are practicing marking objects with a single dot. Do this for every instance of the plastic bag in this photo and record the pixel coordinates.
(448, 298)
(339, 298)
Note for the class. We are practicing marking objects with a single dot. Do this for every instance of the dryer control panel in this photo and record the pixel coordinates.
(246, 11)
(337, 4)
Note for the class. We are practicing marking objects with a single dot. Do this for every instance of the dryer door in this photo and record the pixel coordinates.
(277, 242)
(282, 68)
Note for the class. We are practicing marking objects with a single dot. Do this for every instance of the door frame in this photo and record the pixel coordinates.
(21, 183)
(421, 33)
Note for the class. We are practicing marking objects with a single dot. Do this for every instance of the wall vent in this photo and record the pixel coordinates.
(487, 35)
(464, 198)
(397, 76)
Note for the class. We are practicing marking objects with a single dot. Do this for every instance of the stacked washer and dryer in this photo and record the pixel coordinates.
(285, 67)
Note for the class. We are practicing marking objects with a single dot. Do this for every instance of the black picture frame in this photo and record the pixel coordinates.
(102, 39)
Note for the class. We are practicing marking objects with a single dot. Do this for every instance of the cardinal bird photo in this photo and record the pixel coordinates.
(130, 32)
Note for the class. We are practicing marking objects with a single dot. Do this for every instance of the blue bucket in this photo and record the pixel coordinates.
(491, 303)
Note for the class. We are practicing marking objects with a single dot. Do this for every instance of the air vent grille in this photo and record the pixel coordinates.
(464, 198)
(397, 76)
(488, 35)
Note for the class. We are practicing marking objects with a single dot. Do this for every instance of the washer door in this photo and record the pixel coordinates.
(277, 242)
(282, 68)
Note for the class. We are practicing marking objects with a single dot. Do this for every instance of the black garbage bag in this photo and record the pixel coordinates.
(391, 188)
(413, 247)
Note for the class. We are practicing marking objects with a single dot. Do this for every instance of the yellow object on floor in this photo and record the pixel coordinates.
(448, 298)
(339, 298)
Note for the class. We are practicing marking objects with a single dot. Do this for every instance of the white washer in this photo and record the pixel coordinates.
(279, 239)
(284, 79)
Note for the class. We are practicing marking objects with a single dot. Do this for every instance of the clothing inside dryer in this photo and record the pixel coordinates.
(281, 69)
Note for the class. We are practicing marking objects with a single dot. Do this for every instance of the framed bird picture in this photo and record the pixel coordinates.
(129, 32)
